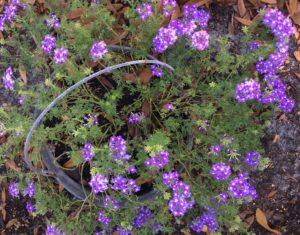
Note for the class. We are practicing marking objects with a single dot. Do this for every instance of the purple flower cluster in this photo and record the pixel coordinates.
(99, 183)
(223, 197)
(103, 219)
(145, 11)
(200, 17)
(144, 216)
(9, 12)
(136, 117)
(156, 70)
(178, 205)
(254, 45)
(8, 82)
(187, 26)
(21, 99)
(13, 190)
(111, 202)
(169, 107)
(123, 231)
(30, 190)
(252, 159)
(207, 219)
(48, 44)
(220, 171)
(273, 89)
(90, 120)
(30, 208)
(53, 230)
(131, 169)
(60, 55)
(247, 91)
(169, 7)
(98, 50)
(118, 148)
(87, 152)
(53, 22)
(165, 38)
(120, 183)
(159, 160)
(241, 189)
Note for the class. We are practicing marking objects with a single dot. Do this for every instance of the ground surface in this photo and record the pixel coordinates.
(278, 186)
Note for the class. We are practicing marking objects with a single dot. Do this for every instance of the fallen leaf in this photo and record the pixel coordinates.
(3, 195)
(69, 164)
(262, 220)
(276, 138)
(60, 188)
(255, 3)
(117, 6)
(243, 21)
(22, 72)
(292, 6)
(3, 212)
(10, 164)
(11, 223)
(198, 2)
(129, 77)
(77, 13)
(249, 221)
(106, 82)
(176, 13)
(272, 193)
(296, 18)
(298, 75)
(31, 2)
(145, 75)
(88, 20)
(146, 109)
(242, 8)
(270, 1)
(297, 55)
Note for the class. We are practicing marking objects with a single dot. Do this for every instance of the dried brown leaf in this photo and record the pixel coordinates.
(3, 195)
(241, 8)
(276, 138)
(106, 83)
(145, 75)
(146, 109)
(129, 77)
(10, 164)
(23, 74)
(297, 55)
(292, 6)
(298, 75)
(117, 6)
(243, 21)
(249, 221)
(69, 164)
(4, 214)
(76, 14)
(262, 220)
(117, 38)
(176, 13)
(254, 3)
(272, 193)
(198, 2)
(60, 188)
(30, 2)
(11, 223)
(269, 1)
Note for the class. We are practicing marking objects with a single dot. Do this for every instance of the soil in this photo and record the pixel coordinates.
(278, 186)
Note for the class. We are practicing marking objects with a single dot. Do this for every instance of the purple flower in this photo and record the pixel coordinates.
(222, 197)
(90, 120)
(220, 171)
(10, 11)
(2, 24)
(131, 187)
(30, 208)
(117, 147)
(98, 50)
(122, 231)
(215, 150)
(282, 46)
(144, 216)
(30, 190)
(119, 183)
(53, 21)
(247, 91)
(200, 17)
(159, 160)
(145, 11)
(252, 159)
(99, 183)
(103, 219)
(169, 7)
(203, 125)
(165, 38)
(53, 230)
(240, 188)
(48, 44)
(200, 40)
(131, 169)
(178, 206)
(111, 202)
(87, 152)
(169, 107)
(136, 117)
(254, 45)
(60, 55)
(271, 65)
(180, 189)
(21, 99)
(8, 82)
(286, 104)
(207, 219)
(171, 178)
(156, 70)
(13, 190)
